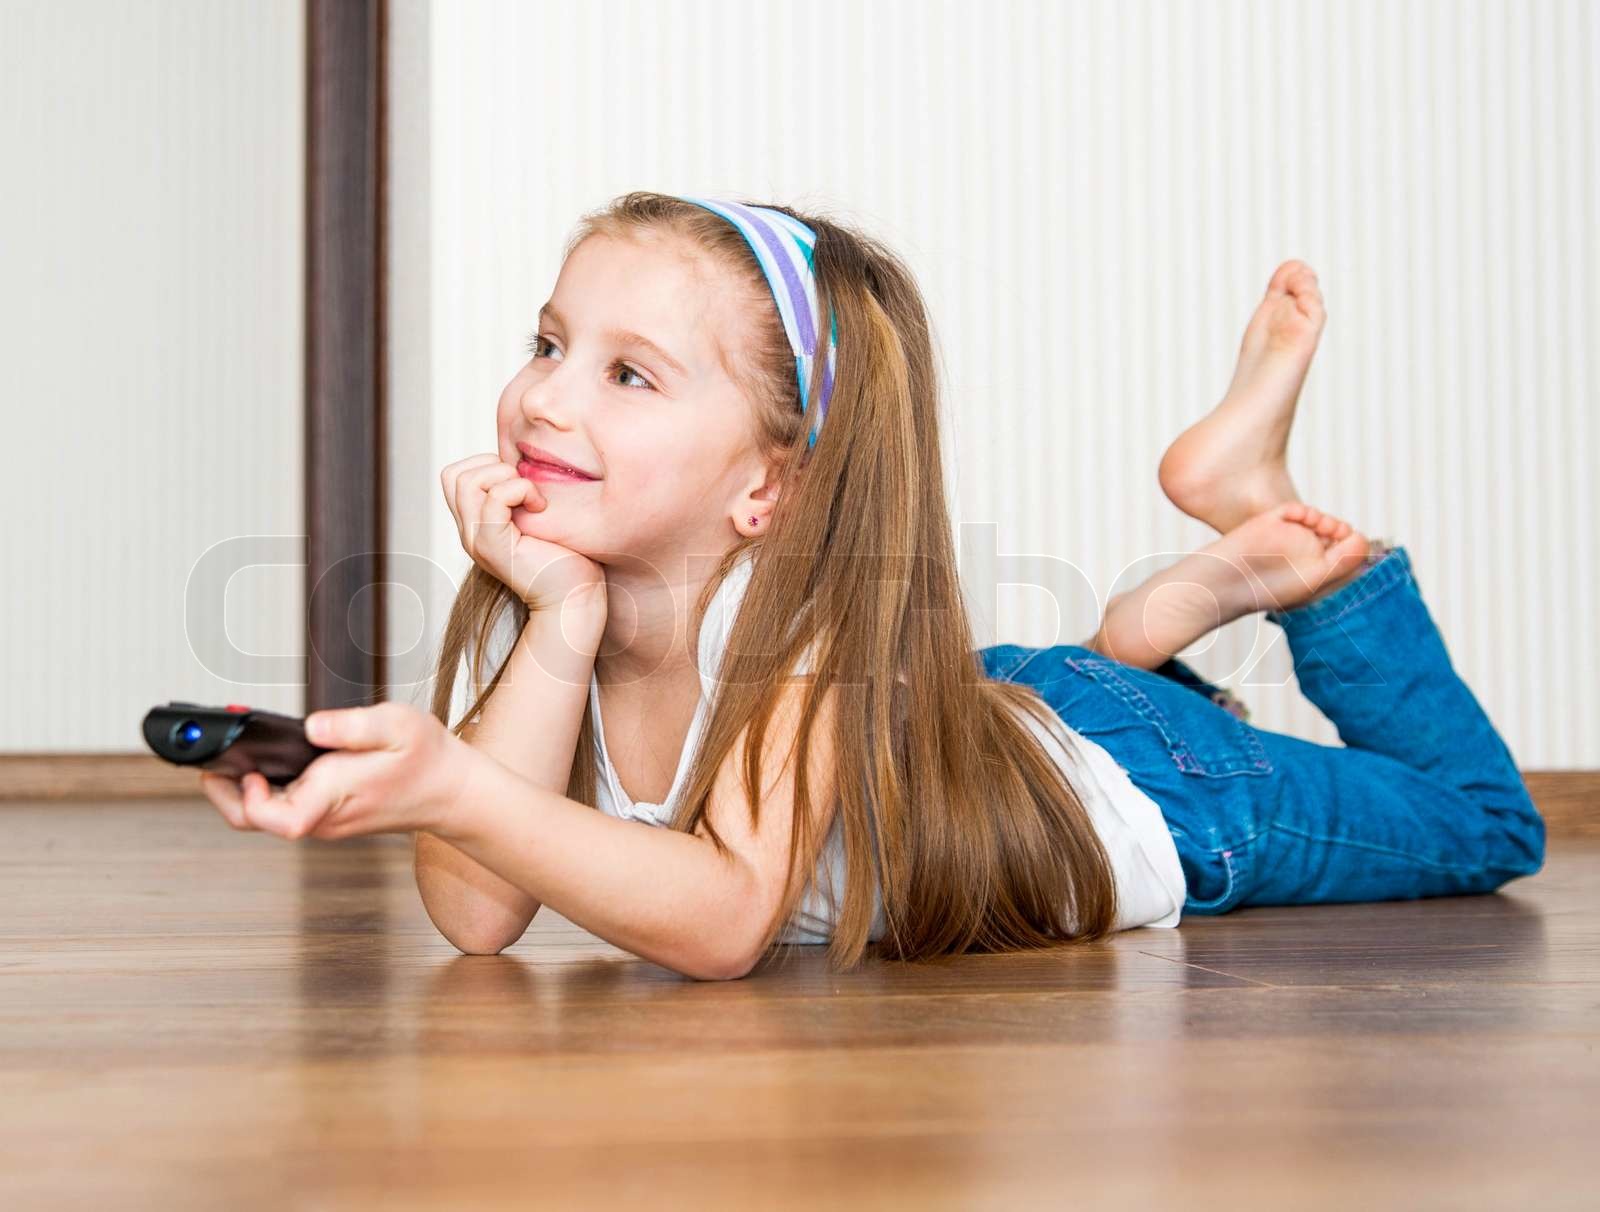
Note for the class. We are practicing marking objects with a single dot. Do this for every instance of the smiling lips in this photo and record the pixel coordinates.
(541, 465)
(549, 473)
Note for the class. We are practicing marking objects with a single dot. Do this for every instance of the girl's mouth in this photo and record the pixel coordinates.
(549, 473)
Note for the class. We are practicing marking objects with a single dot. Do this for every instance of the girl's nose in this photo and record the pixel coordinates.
(545, 400)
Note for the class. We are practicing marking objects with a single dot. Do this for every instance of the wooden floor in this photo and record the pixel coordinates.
(194, 1018)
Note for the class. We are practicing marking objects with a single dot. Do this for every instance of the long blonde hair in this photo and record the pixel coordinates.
(974, 835)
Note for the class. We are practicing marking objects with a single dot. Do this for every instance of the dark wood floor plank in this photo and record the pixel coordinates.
(191, 1017)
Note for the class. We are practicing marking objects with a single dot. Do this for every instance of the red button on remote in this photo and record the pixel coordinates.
(237, 707)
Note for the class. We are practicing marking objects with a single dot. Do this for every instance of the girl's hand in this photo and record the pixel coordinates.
(398, 770)
(481, 492)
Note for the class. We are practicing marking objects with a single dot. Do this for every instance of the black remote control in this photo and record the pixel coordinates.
(231, 740)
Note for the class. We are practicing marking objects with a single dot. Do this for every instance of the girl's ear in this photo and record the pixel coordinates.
(754, 508)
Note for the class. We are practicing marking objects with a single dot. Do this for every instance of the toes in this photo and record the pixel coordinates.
(1348, 551)
(1285, 273)
(1327, 527)
(1301, 283)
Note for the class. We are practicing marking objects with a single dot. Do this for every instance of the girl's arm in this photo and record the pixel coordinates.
(529, 725)
(663, 894)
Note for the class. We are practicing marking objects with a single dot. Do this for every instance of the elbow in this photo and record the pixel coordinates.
(482, 935)
(720, 967)
(728, 962)
(739, 966)
(471, 943)
(734, 952)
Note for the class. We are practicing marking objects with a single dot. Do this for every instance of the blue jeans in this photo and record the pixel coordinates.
(1423, 798)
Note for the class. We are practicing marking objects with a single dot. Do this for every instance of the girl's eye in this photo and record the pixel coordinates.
(644, 383)
(537, 343)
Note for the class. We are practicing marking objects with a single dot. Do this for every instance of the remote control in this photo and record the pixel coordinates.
(231, 740)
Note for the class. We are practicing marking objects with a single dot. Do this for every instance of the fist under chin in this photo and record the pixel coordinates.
(526, 520)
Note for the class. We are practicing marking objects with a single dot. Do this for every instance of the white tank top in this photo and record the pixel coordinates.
(1144, 860)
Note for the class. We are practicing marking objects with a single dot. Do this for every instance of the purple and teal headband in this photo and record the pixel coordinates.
(783, 245)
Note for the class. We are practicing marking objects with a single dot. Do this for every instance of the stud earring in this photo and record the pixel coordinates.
(754, 521)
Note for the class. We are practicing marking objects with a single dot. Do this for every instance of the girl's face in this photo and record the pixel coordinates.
(625, 382)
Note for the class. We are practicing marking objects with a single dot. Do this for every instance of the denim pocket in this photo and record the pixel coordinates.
(1215, 880)
(1201, 737)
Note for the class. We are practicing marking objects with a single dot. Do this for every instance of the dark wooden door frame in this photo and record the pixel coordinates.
(345, 250)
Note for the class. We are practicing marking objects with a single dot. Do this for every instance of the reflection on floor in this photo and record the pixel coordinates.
(195, 1017)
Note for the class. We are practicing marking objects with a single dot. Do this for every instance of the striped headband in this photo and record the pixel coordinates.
(783, 245)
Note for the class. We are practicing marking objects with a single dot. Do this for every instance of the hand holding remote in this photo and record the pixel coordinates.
(396, 769)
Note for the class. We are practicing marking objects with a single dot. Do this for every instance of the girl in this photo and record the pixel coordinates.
(714, 533)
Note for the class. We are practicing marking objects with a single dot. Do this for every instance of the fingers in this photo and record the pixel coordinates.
(291, 813)
(381, 726)
(506, 494)
(253, 804)
(249, 804)
(257, 804)
(226, 795)
(450, 482)
(471, 498)
(474, 481)
(401, 776)
(449, 476)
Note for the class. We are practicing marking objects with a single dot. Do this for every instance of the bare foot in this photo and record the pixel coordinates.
(1232, 464)
(1282, 558)
(1292, 553)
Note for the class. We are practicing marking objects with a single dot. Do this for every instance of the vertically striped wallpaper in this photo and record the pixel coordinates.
(151, 312)
(1094, 197)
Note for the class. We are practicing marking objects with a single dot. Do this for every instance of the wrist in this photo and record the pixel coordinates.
(465, 773)
(580, 626)
(580, 603)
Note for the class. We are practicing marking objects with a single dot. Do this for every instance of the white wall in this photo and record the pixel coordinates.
(1093, 196)
(150, 325)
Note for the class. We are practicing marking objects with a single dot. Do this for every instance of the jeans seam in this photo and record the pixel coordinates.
(1453, 868)
(1177, 749)
(1028, 654)
(1021, 659)
(1143, 707)
(1232, 888)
